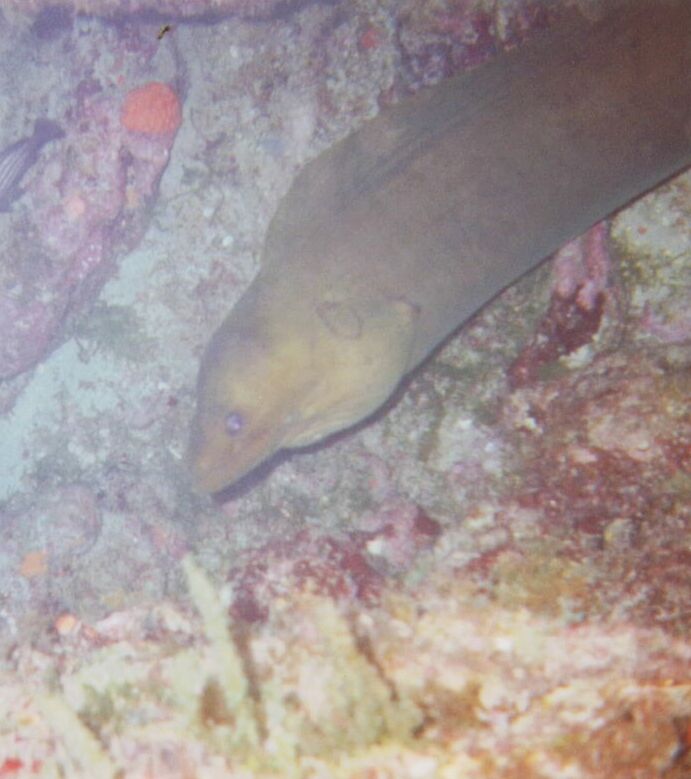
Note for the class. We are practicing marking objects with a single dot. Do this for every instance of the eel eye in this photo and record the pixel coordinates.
(234, 422)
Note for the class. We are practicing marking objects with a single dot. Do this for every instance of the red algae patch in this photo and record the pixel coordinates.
(153, 108)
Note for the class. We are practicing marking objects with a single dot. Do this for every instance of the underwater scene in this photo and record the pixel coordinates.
(345, 389)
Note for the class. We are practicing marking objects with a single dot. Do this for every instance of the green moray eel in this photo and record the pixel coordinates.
(391, 239)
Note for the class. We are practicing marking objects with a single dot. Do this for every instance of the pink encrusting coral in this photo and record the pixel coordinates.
(89, 202)
(440, 39)
(153, 109)
(581, 272)
(348, 569)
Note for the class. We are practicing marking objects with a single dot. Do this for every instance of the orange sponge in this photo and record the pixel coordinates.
(153, 108)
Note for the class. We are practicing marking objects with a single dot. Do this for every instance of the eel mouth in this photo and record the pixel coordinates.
(215, 468)
(211, 478)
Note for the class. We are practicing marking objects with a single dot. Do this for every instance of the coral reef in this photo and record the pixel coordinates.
(489, 580)
(88, 200)
(458, 690)
(577, 308)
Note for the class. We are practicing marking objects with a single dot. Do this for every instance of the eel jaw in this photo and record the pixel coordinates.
(217, 463)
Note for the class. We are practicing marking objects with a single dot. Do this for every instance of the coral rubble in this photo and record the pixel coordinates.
(458, 690)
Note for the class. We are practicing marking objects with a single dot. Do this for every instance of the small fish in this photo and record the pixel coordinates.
(16, 159)
(165, 29)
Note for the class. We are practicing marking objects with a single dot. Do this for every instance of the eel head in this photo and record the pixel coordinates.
(276, 377)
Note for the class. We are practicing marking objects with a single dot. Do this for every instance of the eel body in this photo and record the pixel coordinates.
(391, 239)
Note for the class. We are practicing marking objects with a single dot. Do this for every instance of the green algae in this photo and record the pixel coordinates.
(115, 330)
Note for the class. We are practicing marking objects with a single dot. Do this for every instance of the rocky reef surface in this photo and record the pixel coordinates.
(87, 200)
(490, 580)
(158, 9)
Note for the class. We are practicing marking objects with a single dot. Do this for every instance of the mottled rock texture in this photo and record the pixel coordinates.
(185, 9)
